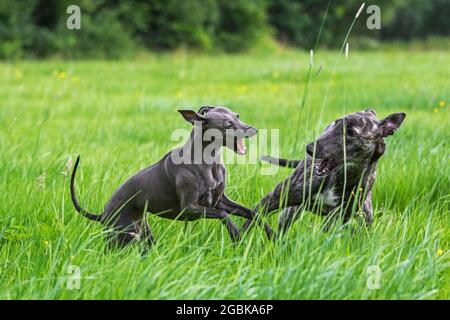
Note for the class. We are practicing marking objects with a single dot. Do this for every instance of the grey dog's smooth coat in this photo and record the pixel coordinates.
(184, 191)
(338, 171)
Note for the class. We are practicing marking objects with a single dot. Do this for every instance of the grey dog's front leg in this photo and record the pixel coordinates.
(212, 213)
(236, 209)
(188, 197)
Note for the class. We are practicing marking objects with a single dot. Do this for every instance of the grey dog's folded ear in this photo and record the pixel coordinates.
(192, 116)
(205, 109)
(391, 123)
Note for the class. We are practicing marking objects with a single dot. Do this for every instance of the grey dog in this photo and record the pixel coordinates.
(188, 183)
(338, 171)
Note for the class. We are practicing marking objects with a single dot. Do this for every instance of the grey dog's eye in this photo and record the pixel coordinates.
(228, 125)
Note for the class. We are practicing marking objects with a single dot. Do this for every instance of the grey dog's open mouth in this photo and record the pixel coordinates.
(239, 146)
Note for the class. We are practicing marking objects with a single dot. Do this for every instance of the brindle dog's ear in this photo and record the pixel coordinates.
(391, 123)
(205, 109)
(371, 111)
(192, 116)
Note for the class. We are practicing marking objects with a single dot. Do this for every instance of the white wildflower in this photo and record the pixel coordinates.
(41, 180)
(68, 166)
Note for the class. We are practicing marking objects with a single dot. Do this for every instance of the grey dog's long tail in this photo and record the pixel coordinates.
(88, 215)
(281, 162)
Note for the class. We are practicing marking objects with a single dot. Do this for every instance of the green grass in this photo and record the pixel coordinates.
(120, 115)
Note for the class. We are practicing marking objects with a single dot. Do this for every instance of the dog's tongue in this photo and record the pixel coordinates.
(240, 146)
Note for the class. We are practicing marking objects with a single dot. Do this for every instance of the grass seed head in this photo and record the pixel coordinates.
(360, 10)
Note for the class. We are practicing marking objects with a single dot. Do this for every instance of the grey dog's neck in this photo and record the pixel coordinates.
(196, 144)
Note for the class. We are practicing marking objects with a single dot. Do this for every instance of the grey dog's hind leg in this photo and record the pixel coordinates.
(128, 225)
(146, 236)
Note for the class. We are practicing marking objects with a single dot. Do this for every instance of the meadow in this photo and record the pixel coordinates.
(119, 116)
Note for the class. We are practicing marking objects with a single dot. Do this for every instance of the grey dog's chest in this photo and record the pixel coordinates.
(211, 186)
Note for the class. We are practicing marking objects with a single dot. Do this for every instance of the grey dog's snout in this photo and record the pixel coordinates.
(250, 131)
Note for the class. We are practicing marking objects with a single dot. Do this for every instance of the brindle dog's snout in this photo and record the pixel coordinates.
(310, 149)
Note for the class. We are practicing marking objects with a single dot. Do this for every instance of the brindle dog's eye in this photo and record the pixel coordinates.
(350, 132)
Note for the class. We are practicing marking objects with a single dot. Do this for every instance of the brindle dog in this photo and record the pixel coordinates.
(338, 172)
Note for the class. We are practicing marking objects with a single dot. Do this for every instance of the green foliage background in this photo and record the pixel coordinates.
(111, 29)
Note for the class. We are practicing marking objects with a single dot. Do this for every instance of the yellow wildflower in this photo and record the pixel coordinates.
(440, 252)
(435, 110)
(61, 74)
(442, 103)
(18, 74)
(242, 89)
(45, 242)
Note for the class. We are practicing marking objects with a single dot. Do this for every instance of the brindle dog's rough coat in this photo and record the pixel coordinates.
(321, 183)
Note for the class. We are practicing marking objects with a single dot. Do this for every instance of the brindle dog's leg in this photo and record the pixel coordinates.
(286, 194)
(367, 208)
(288, 217)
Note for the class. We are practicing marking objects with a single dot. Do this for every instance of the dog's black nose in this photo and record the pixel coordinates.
(310, 149)
(250, 131)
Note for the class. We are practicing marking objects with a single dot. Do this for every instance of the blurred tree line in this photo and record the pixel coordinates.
(112, 28)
